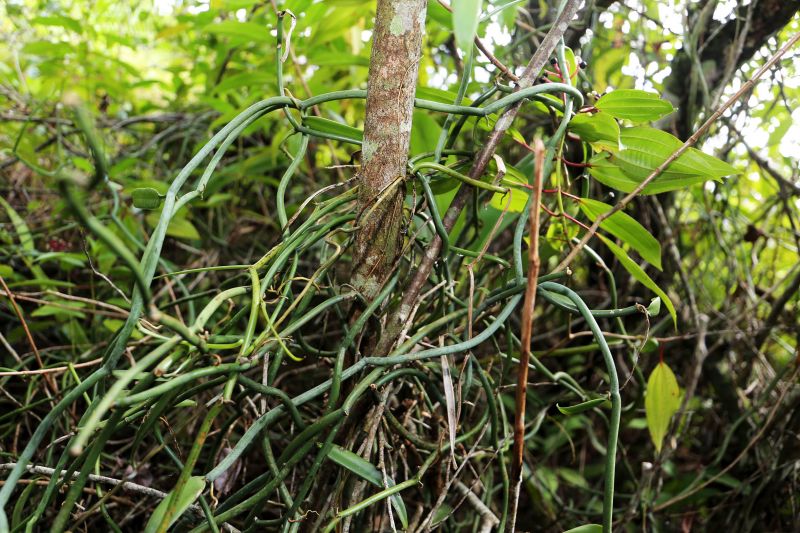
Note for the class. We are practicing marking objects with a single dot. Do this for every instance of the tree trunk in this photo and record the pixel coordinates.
(396, 47)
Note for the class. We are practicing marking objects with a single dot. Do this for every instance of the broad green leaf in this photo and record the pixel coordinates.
(573, 477)
(339, 59)
(179, 227)
(643, 150)
(625, 228)
(466, 14)
(424, 133)
(146, 198)
(514, 200)
(586, 528)
(439, 95)
(241, 32)
(246, 79)
(661, 401)
(598, 129)
(640, 275)
(581, 407)
(58, 21)
(607, 68)
(334, 128)
(634, 105)
(437, 12)
(649, 345)
(62, 311)
(366, 470)
(194, 487)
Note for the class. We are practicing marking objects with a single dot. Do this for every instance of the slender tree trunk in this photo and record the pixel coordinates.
(396, 47)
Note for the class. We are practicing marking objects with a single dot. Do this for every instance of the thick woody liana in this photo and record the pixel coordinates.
(396, 48)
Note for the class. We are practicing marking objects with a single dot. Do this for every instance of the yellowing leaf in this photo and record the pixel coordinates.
(661, 402)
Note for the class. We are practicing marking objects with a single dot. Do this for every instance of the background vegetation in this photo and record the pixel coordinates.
(105, 102)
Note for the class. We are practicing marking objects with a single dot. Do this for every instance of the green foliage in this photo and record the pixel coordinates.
(366, 470)
(642, 150)
(247, 265)
(466, 14)
(182, 501)
(634, 105)
(625, 228)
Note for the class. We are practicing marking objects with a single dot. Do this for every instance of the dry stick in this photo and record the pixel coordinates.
(691, 141)
(52, 370)
(51, 384)
(399, 318)
(527, 329)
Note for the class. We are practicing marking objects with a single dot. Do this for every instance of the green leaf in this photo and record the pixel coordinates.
(661, 402)
(23, 232)
(640, 275)
(68, 310)
(194, 487)
(581, 407)
(424, 133)
(339, 59)
(179, 227)
(146, 198)
(625, 228)
(439, 95)
(58, 21)
(334, 128)
(598, 129)
(466, 14)
(655, 307)
(366, 470)
(643, 150)
(438, 13)
(634, 105)
(241, 32)
(586, 528)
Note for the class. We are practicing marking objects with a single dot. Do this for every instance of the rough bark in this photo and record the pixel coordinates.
(396, 48)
